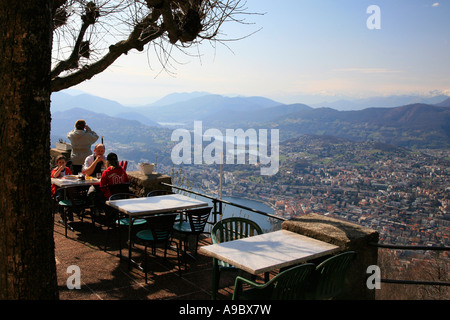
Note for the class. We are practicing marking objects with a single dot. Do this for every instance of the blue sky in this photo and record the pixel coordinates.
(306, 51)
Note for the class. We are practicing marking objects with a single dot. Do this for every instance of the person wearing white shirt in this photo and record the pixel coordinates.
(94, 163)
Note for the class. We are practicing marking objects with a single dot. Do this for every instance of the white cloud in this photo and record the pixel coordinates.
(436, 4)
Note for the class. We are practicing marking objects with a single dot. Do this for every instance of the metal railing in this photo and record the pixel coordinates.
(218, 204)
(417, 248)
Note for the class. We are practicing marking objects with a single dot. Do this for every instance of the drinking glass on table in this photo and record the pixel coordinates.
(99, 175)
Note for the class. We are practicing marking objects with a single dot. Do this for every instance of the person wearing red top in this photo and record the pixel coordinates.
(60, 171)
(114, 174)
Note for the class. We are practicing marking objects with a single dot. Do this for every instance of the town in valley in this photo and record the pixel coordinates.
(403, 194)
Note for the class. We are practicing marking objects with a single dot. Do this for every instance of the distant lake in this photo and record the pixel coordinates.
(266, 223)
(171, 124)
(263, 221)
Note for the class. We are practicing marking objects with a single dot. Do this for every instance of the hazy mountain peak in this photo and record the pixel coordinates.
(178, 97)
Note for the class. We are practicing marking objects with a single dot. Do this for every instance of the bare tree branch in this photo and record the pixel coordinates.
(81, 48)
(91, 35)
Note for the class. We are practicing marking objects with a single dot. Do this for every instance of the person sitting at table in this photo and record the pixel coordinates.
(95, 164)
(114, 174)
(81, 139)
(58, 172)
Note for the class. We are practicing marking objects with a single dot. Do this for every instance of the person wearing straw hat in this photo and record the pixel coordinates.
(81, 138)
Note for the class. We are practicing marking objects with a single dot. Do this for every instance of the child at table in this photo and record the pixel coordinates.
(60, 171)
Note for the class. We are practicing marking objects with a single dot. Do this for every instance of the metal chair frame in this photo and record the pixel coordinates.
(75, 200)
(197, 219)
(117, 218)
(227, 230)
(159, 231)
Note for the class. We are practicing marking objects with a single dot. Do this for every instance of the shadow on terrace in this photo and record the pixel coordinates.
(104, 276)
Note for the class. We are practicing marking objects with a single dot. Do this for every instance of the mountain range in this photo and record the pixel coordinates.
(423, 125)
(383, 102)
(177, 107)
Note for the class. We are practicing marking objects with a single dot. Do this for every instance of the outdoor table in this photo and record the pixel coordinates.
(269, 251)
(72, 181)
(146, 206)
(66, 182)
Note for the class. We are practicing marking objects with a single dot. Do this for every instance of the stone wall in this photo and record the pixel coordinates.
(347, 236)
(142, 184)
(55, 153)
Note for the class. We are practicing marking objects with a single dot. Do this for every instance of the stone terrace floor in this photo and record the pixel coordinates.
(104, 276)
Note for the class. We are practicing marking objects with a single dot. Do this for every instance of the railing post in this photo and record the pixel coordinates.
(215, 201)
(215, 210)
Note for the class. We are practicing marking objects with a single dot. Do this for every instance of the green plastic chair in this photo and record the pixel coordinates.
(75, 202)
(227, 230)
(121, 221)
(118, 219)
(197, 219)
(290, 284)
(330, 276)
(159, 232)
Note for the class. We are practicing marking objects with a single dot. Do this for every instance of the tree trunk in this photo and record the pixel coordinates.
(27, 258)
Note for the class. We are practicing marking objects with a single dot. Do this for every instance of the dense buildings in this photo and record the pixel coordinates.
(402, 194)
